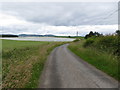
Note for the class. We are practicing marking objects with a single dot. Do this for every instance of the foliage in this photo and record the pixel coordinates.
(91, 34)
(108, 43)
(76, 40)
(118, 32)
(101, 59)
(89, 42)
(101, 51)
(8, 35)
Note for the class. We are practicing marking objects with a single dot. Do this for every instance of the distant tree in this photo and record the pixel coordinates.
(118, 32)
(91, 34)
(97, 34)
(87, 36)
(7, 35)
(69, 36)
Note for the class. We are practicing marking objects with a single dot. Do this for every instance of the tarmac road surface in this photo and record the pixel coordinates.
(64, 69)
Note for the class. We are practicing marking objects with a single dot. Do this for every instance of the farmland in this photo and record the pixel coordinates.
(23, 62)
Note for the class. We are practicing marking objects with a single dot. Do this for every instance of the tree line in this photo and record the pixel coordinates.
(96, 34)
(3, 35)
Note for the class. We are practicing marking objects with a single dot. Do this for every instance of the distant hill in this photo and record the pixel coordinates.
(34, 35)
(30, 35)
(49, 35)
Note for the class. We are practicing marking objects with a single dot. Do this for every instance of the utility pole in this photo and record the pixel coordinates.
(77, 33)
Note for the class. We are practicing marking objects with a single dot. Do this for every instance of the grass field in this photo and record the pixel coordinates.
(23, 62)
(98, 58)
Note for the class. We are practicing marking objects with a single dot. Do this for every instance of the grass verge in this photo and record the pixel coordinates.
(23, 62)
(102, 60)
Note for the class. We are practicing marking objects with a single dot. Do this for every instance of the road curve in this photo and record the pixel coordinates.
(64, 69)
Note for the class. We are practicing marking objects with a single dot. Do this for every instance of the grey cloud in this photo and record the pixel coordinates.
(63, 14)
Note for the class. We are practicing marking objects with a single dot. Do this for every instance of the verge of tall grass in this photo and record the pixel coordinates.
(109, 43)
(102, 60)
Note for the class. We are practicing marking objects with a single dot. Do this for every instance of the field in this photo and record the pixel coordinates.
(23, 62)
(101, 52)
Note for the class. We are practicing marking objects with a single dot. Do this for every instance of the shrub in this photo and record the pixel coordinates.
(108, 43)
(88, 42)
(76, 40)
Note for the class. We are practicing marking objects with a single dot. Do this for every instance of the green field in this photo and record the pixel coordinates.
(12, 44)
(101, 59)
(23, 62)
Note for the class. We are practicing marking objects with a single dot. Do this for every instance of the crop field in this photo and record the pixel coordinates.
(23, 62)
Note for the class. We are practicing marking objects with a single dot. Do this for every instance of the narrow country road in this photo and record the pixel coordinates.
(63, 69)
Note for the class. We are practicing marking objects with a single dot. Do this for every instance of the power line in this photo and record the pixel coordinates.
(109, 15)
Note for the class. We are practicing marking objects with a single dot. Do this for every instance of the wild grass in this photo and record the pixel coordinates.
(109, 43)
(23, 62)
(101, 59)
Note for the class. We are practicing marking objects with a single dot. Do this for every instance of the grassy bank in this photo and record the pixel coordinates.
(109, 43)
(101, 59)
(23, 62)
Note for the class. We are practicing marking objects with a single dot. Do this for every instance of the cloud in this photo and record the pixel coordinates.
(61, 30)
(9, 20)
(25, 27)
(64, 14)
(57, 18)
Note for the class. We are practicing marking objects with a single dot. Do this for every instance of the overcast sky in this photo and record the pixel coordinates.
(63, 18)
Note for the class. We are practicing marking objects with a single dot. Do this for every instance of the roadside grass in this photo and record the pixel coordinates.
(109, 43)
(23, 62)
(102, 60)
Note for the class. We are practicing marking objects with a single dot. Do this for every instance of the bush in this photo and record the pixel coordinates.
(108, 43)
(76, 40)
(88, 42)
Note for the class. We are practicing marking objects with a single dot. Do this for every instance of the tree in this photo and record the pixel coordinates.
(118, 32)
(91, 34)
(69, 36)
(87, 36)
